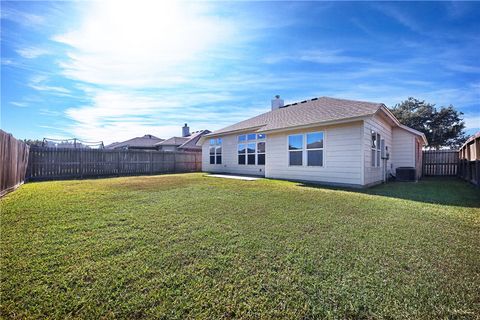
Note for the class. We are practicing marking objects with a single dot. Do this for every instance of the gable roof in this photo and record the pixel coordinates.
(147, 141)
(312, 112)
(173, 141)
(193, 139)
(323, 109)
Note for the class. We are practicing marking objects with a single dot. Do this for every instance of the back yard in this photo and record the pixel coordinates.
(191, 246)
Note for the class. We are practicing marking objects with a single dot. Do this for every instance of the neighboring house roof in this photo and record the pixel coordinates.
(173, 141)
(317, 111)
(147, 141)
(191, 143)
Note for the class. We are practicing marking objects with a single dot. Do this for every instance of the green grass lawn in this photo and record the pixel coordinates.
(192, 246)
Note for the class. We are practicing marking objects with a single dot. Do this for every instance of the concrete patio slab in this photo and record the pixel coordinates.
(230, 176)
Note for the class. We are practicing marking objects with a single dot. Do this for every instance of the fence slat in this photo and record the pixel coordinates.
(64, 163)
(440, 162)
(14, 155)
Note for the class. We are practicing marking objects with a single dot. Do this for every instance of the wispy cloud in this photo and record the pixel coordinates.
(19, 104)
(21, 17)
(32, 52)
(40, 83)
(320, 56)
(400, 16)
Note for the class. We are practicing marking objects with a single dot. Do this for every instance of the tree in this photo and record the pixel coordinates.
(443, 128)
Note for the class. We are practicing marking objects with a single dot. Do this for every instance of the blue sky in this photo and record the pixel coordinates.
(112, 70)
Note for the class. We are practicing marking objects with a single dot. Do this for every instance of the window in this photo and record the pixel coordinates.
(261, 153)
(212, 155)
(295, 150)
(215, 151)
(315, 149)
(251, 149)
(312, 143)
(375, 149)
(242, 151)
(251, 153)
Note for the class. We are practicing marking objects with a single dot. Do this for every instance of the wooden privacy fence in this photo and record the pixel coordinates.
(469, 166)
(440, 163)
(14, 158)
(68, 163)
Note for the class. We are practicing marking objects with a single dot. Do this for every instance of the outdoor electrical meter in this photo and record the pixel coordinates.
(384, 148)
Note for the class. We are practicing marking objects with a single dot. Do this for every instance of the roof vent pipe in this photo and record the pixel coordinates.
(277, 102)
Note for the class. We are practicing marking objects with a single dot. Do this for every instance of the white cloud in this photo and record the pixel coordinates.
(19, 104)
(115, 116)
(39, 83)
(146, 43)
(320, 56)
(21, 17)
(32, 52)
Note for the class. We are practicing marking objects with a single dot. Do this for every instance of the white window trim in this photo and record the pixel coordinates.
(215, 154)
(246, 142)
(375, 162)
(305, 150)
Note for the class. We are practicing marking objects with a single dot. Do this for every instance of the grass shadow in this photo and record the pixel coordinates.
(435, 190)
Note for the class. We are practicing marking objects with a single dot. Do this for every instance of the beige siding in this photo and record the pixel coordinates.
(342, 159)
(229, 159)
(373, 175)
(347, 154)
(403, 154)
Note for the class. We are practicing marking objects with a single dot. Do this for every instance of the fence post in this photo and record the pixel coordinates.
(151, 162)
(174, 161)
(477, 170)
(80, 163)
(118, 163)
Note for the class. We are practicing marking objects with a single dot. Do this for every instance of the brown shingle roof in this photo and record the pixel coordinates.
(323, 109)
(147, 141)
(173, 141)
(193, 139)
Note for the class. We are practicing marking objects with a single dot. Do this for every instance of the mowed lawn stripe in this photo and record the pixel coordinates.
(190, 246)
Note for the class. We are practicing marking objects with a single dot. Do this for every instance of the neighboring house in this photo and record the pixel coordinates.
(325, 140)
(187, 142)
(147, 142)
(171, 144)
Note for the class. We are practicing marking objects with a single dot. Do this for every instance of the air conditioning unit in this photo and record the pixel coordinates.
(406, 174)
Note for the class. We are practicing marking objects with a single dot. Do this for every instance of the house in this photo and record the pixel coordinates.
(187, 142)
(147, 142)
(322, 140)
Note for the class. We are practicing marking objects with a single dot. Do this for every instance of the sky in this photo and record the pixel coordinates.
(112, 70)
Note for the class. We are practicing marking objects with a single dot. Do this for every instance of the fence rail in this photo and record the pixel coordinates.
(440, 163)
(67, 163)
(13, 162)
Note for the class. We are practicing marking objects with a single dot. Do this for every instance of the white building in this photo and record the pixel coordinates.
(323, 140)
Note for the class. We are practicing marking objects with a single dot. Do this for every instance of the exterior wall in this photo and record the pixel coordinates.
(347, 154)
(375, 175)
(403, 154)
(342, 156)
(230, 158)
(418, 156)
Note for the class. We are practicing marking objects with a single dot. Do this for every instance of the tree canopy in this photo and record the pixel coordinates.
(443, 127)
